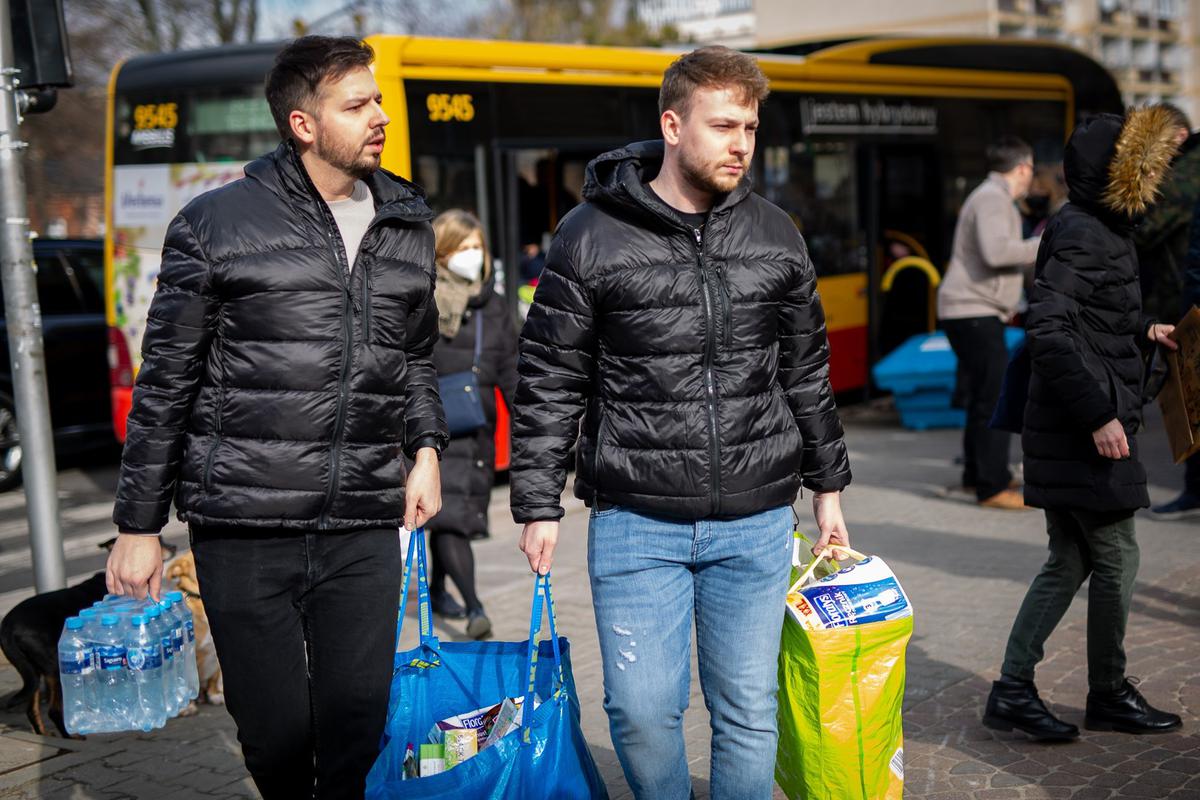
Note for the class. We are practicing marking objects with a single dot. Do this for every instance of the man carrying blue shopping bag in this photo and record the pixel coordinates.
(678, 317)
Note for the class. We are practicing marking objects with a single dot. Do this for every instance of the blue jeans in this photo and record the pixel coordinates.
(649, 577)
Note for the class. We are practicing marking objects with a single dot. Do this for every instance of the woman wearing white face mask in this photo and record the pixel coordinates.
(465, 300)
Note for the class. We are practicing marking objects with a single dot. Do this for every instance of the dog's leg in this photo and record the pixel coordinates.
(34, 711)
(56, 706)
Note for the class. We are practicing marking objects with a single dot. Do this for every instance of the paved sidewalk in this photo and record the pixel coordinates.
(965, 569)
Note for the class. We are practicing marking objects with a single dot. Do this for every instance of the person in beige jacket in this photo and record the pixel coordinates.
(979, 294)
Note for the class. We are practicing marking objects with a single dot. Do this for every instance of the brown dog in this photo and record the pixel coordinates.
(182, 572)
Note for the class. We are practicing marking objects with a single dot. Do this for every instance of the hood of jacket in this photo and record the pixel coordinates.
(1115, 165)
(618, 180)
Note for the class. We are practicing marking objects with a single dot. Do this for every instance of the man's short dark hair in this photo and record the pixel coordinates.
(712, 67)
(296, 76)
(1007, 153)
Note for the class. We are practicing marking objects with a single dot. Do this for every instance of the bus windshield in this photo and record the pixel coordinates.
(192, 127)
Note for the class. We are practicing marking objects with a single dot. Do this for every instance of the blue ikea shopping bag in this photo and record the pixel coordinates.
(546, 757)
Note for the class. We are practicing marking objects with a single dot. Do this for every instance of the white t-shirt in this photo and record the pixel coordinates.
(353, 216)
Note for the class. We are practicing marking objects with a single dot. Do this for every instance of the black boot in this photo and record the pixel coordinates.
(1125, 710)
(446, 606)
(1015, 704)
(478, 625)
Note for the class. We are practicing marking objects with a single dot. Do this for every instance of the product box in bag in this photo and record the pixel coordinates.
(855, 595)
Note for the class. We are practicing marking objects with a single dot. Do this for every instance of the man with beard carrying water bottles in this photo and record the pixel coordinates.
(678, 316)
(286, 374)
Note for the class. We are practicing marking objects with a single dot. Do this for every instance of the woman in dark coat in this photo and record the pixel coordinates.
(465, 298)
(1088, 343)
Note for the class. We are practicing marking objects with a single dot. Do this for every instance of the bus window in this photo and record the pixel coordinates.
(816, 184)
(448, 181)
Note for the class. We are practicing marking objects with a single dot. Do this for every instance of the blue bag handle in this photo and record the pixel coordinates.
(416, 552)
(541, 585)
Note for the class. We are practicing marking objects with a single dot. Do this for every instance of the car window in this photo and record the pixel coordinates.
(85, 269)
(56, 290)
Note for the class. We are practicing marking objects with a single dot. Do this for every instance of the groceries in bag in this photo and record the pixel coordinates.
(455, 739)
(127, 665)
(855, 595)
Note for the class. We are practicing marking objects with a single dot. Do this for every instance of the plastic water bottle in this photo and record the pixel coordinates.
(143, 654)
(191, 671)
(115, 693)
(161, 627)
(78, 677)
(178, 651)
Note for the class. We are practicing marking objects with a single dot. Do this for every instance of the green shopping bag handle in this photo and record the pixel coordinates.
(817, 559)
(416, 552)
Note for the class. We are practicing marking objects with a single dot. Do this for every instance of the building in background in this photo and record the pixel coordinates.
(1150, 46)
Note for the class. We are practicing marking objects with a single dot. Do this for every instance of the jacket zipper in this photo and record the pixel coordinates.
(339, 256)
(366, 301)
(726, 308)
(212, 451)
(709, 382)
(596, 453)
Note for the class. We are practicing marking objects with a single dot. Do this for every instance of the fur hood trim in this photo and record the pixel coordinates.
(1141, 159)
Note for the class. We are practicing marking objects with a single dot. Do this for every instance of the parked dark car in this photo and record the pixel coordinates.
(70, 277)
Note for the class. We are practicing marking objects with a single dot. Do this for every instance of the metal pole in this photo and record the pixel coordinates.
(24, 320)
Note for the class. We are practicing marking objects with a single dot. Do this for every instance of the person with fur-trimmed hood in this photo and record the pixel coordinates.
(1087, 339)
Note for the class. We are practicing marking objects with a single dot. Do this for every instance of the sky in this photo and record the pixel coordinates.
(275, 16)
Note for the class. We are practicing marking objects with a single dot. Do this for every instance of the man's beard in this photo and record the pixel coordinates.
(346, 157)
(707, 179)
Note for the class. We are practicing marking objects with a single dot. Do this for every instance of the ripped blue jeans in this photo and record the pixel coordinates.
(650, 577)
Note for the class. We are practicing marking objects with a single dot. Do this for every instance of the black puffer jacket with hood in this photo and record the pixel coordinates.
(1086, 330)
(700, 371)
(277, 387)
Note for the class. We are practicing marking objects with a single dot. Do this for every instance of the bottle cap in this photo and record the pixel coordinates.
(153, 611)
(109, 619)
(74, 623)
(89, 612)
(176, 597)
(137, 620)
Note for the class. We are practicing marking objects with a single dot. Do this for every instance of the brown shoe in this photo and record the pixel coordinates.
(1007, 500)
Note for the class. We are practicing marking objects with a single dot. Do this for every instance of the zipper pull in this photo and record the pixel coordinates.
(697, 234)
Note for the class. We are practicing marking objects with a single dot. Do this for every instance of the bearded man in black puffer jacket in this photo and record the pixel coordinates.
(286, 373)
(678, 316)
(1088, 340)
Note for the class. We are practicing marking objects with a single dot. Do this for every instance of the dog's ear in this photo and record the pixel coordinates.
(107, 544)
(169, 551)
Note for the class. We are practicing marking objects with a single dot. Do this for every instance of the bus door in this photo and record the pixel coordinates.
(534, 188)
(907, 198)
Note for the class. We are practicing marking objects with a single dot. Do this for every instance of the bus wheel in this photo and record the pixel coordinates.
(10, 446)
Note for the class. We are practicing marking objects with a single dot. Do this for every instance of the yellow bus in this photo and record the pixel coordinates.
(869, 145)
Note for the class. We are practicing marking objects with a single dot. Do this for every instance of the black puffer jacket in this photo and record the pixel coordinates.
(1087, 333)
(469, 463)
(277, 388)
(702, 377)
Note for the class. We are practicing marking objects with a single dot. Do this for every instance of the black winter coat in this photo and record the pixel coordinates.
(469, 462)
(278, 388)
(701, 372)
(1087, 340)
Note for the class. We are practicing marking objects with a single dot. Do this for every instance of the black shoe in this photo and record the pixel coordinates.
(446, 606)
(1015, 704)
(1125, 710)
(478, 625)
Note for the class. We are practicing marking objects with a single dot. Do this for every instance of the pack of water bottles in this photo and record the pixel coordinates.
(127, 665)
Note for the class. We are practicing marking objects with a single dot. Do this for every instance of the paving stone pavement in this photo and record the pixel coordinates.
(965, 569)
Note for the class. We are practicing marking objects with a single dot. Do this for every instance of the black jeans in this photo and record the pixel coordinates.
(1083, 544)
(1191, 475)
(304, 625)
(978, 343)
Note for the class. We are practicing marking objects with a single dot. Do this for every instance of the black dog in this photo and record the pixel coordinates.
(29, 638)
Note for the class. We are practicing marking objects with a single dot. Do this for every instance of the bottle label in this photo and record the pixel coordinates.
(110, 657)
(191, 631)
(145, 657)
(168, 652)
(75, 662)
(178, 642)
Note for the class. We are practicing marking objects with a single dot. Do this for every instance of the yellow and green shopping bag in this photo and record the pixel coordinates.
(840, 693)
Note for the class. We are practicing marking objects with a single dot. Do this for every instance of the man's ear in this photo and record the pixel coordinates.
(303, 126)
(671, 123)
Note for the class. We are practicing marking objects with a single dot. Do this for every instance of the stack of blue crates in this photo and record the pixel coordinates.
(921, 374)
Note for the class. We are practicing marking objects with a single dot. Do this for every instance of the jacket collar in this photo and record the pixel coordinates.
(282, 172)
(619, 180)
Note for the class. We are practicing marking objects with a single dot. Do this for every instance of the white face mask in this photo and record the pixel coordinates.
(467, 264)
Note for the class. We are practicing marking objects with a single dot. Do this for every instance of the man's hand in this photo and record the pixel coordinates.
(423, 491)
(537, 543)
(827, 510)
(135, 566)
(1161, 334)
(1110, 440)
